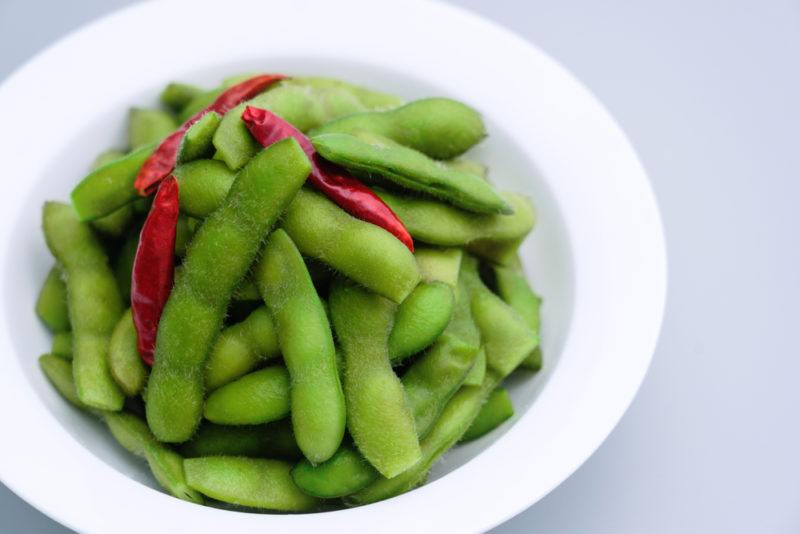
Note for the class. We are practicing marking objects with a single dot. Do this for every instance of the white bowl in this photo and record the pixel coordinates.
(597, 254)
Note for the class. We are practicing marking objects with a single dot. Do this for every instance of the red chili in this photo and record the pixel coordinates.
(153, 266)
(335, 182)
(163, 159)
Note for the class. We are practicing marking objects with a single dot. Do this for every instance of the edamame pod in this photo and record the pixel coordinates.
(478, 372)
(117, 222)
(62, 345)
(126, 365)
(59, 372)
(147, 126)
(306, 341)
(247, 291)
(304, 105)
(93, 300)
(439, 127)
(197, 141)
(437, 223)
(241, 347)
(456, 418)
(259, 397)
(183, 234)
(504, 334)
(363, 252)
(51, 305)
(106, 157)
(378, 415)
(513, 288)
(468, 166)
(274, 440)
(123, 265)
(439, 264)
(204, 184)
(109, 187)
(257, 483)
(166, 465)
(494, 412)
(344, 473)
(217, 259)
(420, 319)
(176, 95)
(382, 158)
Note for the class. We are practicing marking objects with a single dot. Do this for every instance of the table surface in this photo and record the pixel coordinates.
(708, 93)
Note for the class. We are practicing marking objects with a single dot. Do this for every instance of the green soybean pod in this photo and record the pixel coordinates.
(126, 365)
(51, 304)
(117, 222)
(305, 104)
(146, 126)
(504, 333)
(109, 187)
(439, 264)
(259, 397)
(454, 421)
(204, 184)
(166, 465)
(494, 412)
(478, 372)
(257, 483)
(437, 223)
(58, 371)
(378, 414)
(306, 341)
(217, 259)
(363, 252)
(93, 300)
(247, 291)
(369, 98)
(183, 235)
(468, 166)
(273, 440)
(410, 169)
(513, 288)
(197, 142)
(420, 320)
(123, 264)
(241, 347)
(62, 345)
(106, 157)
(344, 473)
(176, 95)
(439, 127)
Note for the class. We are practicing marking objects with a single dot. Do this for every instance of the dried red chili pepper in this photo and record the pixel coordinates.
(163, 159)
(336, 183)
(153, 266)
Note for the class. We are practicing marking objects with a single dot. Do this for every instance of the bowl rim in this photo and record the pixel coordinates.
(620, 265)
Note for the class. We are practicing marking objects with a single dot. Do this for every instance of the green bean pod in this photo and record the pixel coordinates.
(367, 254)
(217, 259)
(257, 483)
(420, 319)
(62, 345)
(241, 347)
(306, 341)
(197, 142)
(305, 105)
(51, 304)
(439, 127)
(513, 288)
(273, 440)
(378, 157)
(494, 412)
(378, 415)
(454, 421)
(437, 223)
(146, 126)
(109, 187)
(439, 264)
(126, 365)
(344, 473)
(204, 184)
(176, 95)
(93, 301)
(256, 398)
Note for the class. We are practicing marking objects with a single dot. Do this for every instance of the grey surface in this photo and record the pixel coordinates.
(708, 93)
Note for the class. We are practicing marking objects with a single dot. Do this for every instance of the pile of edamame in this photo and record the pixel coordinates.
(305, 358)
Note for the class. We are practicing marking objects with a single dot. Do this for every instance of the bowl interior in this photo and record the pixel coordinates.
(546, 253)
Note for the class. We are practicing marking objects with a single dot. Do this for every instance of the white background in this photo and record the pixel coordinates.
(709, 93)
